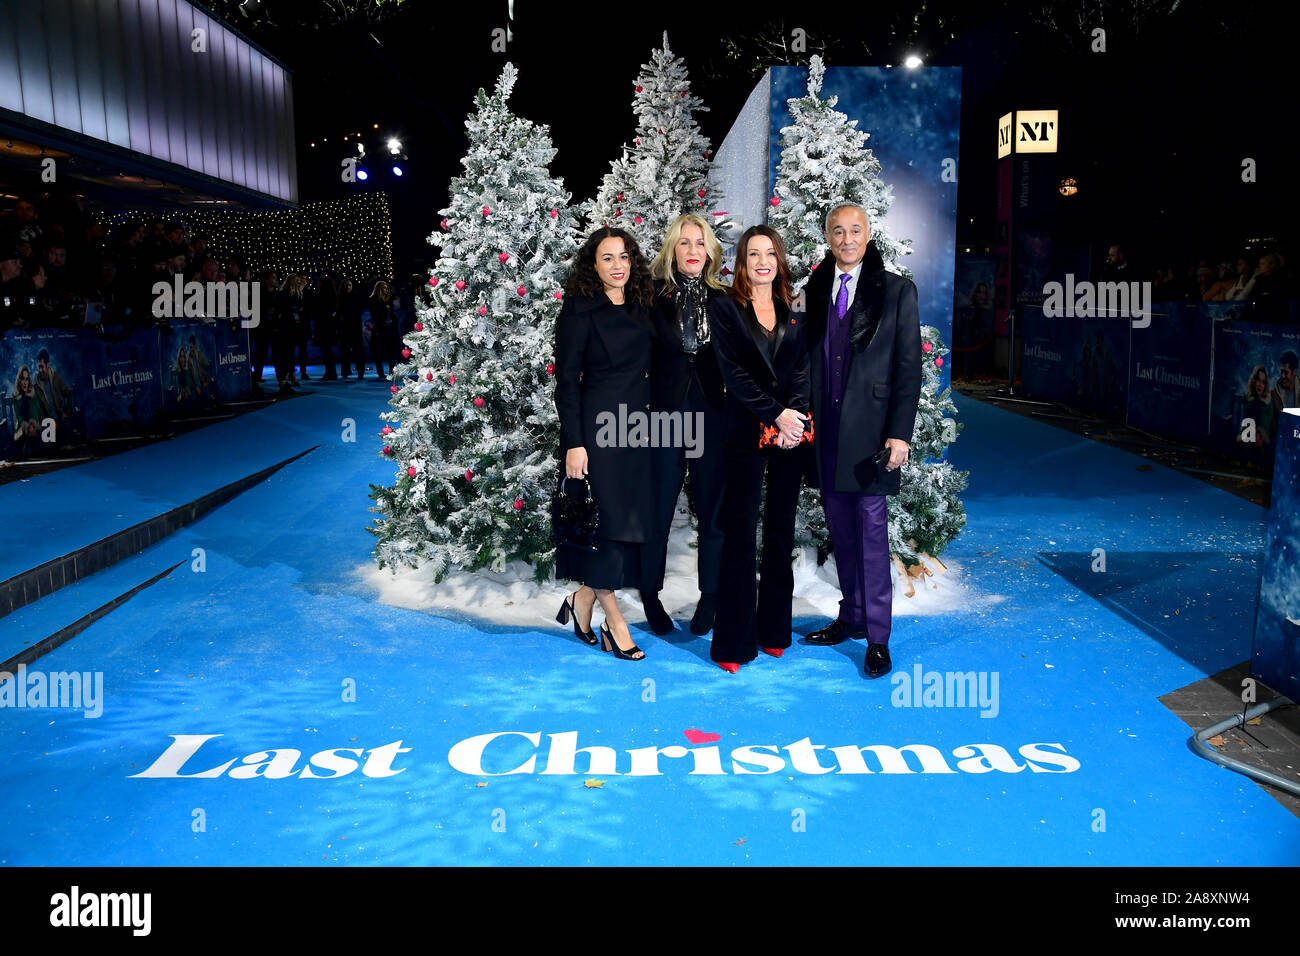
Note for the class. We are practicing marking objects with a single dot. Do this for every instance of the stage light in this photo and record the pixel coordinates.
(912, 61)
(397, 170)
(1068, 187)
(362, 175)
(394, 145)
(361, 148)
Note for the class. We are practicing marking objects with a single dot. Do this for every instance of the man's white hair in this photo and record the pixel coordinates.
(845, 205)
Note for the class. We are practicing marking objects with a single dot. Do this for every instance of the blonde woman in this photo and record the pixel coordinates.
(295, 318)
(686, 380)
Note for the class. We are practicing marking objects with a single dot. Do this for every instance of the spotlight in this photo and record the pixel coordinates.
(394, 145)
(362, 175)
(397, 170)
(912, 61)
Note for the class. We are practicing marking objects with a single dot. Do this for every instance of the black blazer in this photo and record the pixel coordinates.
(883, 387)
(673, 368)
(759, 388)
(602, 360)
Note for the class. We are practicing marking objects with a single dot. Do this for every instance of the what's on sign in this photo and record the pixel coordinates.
(1028, 131)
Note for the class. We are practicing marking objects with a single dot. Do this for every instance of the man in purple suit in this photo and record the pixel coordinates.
(864, 336)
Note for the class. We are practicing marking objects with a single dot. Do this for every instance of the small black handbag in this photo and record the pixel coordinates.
(574, 515)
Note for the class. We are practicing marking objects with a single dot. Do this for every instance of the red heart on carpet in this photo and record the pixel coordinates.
(700, 737)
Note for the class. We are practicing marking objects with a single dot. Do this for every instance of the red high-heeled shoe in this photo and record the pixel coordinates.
(774, 651)
(728, 667)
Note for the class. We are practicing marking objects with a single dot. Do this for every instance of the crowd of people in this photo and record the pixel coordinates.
(1264, 283)
(61, 268)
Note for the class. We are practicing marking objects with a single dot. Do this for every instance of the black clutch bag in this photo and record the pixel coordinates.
(574, 515)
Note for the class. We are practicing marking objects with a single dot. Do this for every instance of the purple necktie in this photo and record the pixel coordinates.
(842, 297)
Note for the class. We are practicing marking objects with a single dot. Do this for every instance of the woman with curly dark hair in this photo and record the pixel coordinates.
(603, 349)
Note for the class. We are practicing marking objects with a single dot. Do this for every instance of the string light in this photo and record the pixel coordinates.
(352, 236)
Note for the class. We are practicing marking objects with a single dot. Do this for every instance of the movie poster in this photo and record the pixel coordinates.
(1169, 381)
(124, 393)
(1082, 363)
(44, 389)
(1254, 379)
(1275, 658)
(231, 372)
(188, 364)
(973, 315)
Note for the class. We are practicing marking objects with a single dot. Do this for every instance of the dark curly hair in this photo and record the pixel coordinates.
(584, 281)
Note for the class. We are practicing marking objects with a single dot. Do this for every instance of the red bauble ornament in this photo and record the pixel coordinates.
(411, 471)
(451, 380)
(926, 346)
(554, 213)
(638, 141)
(479, 403)
(428, 376)
(939, 361)
(815, 265)
(550, 368)
(444, 225)
(504, 258)
(386, 430)
(775, 201)
(487, 211)
(617, 213)
(469, 475)
(637, 220)
(393, 389)
(433, 281)
(482, 310)
(460, 285)
(706, 154)
(406, 353)
(419, 326)
(700, 194)
(639, 87)
(619, 197)
(388, 450)
(519, 504)
(683, 94)
(559, 295)
(661, 132)
(522, 291)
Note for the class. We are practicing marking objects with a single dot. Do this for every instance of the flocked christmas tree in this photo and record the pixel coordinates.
(472, 427)
(666, 170)
(824, 161)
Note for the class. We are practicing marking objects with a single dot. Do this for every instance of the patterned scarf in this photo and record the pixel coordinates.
(694, 311)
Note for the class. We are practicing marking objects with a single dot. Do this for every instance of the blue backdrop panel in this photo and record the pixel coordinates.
(1169, 377)
(1276, 656)
(1248, 383)
(230, 371)
(33, 394)
(912, 118)
(1081, 362)
(124, 378)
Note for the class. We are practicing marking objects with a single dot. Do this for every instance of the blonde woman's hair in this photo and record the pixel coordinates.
(295, 285)
(662, 267)
(381, 284)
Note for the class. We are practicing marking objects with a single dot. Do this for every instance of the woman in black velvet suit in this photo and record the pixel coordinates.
(603, 350)
(764, 360)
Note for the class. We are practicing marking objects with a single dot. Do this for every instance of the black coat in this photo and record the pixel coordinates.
(603, 358)
(759, 388)
(883, 386)
(673, 368)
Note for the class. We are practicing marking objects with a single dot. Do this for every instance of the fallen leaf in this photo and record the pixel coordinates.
(593, 784)
(1255, 721)
(738, 842)
(1217, 741)
(480, 784)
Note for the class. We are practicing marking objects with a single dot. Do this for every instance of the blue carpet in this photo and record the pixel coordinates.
(262, 646)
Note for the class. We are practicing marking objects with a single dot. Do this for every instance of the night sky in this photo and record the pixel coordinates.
(1154, 129)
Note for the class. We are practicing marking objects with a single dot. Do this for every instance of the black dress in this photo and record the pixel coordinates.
(603, 357)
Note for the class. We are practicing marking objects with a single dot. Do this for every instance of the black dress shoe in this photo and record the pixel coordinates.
(705, 611)
(832, 633)
(655, 614)
(877, 663)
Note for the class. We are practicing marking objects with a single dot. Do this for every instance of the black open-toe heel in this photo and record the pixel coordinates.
(607, 644)
(587, 637)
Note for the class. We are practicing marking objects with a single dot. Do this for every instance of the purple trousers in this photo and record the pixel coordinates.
(859, 527)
